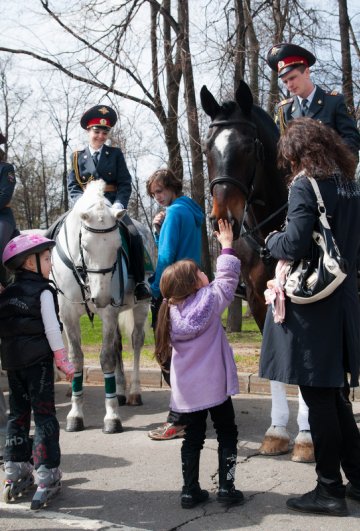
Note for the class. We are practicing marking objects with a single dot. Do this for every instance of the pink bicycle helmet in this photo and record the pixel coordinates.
(22, 246)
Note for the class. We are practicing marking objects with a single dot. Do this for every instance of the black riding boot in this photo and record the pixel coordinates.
(192, 494)
(138, 267)
(329, 500)
(227, 465)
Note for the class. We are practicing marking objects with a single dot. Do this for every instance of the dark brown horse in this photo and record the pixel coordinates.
(246, 186)
(249, 191)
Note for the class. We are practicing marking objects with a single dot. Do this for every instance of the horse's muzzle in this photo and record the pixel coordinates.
(233, 222)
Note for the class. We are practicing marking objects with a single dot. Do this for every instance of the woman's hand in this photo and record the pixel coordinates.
(225, 234)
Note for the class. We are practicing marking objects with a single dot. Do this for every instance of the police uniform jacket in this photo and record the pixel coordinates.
(111, 168)
(7, 183)
(328, 108)
(317, 341)
(22, 332)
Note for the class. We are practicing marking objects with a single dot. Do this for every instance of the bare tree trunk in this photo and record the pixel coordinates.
(234, 319)
(347, 83)
(193, 124)
(280, 14)
(239, 53)
(254, 50)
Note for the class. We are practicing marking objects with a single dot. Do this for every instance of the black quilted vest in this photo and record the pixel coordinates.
(22, 333)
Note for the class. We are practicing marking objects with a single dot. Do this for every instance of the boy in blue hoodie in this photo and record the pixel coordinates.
(177, 231)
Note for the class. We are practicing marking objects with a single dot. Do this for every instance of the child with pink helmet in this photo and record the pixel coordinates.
(30, 332)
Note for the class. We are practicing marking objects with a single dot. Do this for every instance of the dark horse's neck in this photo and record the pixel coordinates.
(270, 191)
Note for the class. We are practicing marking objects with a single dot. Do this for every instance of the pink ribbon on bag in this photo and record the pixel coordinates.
(274, 294)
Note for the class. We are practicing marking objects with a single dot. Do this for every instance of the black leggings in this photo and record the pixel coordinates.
(335, 434)
(33, 389)
(223, 417)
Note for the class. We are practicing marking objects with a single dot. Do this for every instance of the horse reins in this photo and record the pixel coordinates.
(246, 232)
(80, 272)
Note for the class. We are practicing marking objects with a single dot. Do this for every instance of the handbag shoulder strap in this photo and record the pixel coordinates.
(320, 202)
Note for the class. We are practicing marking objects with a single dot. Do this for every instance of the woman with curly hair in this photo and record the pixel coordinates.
(317, 345)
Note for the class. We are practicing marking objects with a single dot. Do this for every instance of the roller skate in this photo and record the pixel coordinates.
(18, 479)
(48, 485)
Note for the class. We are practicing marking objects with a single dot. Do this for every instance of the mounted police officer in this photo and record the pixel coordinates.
(292, 63)
(7, 220)
(99, 161)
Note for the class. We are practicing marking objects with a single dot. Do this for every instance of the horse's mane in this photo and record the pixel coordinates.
(93, 198)
(228, 107)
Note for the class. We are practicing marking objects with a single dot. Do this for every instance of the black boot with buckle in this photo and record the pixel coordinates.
(192, 494)
(142, 292)
(227, 493)
(328, 500)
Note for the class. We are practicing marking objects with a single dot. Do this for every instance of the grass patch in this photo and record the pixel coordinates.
(91, 338)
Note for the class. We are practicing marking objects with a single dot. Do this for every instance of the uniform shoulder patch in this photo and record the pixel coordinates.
(284, 102)
(11, 177)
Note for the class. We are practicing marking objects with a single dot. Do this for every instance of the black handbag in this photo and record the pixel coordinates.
(312, 280)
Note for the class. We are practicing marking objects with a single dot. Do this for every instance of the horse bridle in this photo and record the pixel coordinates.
(249, 234)
(81, 272)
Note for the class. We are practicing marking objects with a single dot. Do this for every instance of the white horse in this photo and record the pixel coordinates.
(85, 269)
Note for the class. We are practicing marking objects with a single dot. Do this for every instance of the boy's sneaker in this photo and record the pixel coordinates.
(167, 431)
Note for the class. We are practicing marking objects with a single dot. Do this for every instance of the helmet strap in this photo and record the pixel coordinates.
(38, 265)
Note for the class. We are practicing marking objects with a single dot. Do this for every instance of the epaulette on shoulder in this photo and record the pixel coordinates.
(333, 93)
(284, 102)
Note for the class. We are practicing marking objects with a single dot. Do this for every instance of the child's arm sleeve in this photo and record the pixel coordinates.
(50, 320)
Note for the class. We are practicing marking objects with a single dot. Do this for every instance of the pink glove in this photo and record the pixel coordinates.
(63, 364)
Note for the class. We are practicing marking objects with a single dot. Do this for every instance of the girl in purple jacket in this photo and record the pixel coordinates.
(203, 373)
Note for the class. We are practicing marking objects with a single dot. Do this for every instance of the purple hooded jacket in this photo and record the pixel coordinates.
(203, 372)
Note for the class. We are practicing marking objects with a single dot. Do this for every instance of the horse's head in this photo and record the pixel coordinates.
(234, 154)
(99, 241)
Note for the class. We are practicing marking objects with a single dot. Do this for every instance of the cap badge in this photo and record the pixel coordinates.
(274, 50)
(281, 64)
(103, 121)
(104, 110)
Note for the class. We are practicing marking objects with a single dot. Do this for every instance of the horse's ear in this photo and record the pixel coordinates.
(244, 98)
(209, 103)
(118, 213)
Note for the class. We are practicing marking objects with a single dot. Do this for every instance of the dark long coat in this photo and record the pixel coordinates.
(317, 342)
(111, 168)
(327, 107)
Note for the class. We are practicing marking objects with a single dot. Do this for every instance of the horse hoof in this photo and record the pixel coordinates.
(303, 451)
(134, 400)
(276, 442)
(74, 424)
(121, 400)
(112, 426)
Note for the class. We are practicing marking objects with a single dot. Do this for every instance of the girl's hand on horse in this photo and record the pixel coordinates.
(225, 234)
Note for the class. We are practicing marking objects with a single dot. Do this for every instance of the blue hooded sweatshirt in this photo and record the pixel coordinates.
(180, 237)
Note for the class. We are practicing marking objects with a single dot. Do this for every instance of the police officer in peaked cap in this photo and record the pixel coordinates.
(99, 161)
(7, 221)
(292, 64)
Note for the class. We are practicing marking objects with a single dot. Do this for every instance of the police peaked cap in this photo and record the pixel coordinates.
(284, 57)
(100, 116)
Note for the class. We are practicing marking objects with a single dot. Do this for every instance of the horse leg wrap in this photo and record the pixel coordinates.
(110, 385)
(77, 384)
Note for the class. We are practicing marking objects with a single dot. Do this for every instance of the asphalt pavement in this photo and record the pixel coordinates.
(127, 481)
